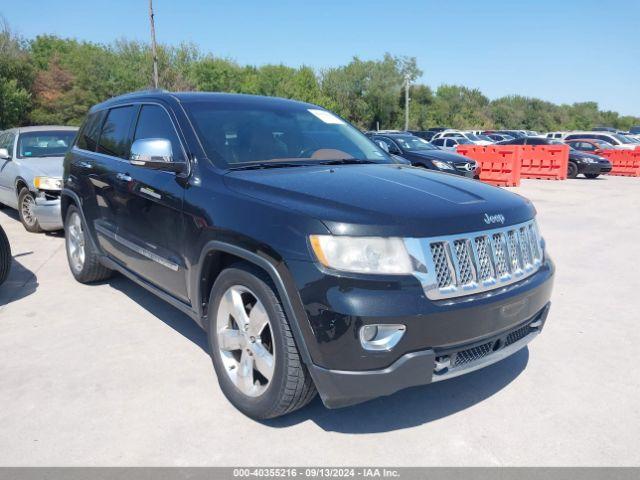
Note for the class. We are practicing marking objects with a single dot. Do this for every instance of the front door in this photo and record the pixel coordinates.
(150, 229)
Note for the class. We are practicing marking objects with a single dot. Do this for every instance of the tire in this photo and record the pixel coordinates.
(592, 175)
(26, 202)
(254, 394)
(83, 259)
(572, 171)
(5, 256)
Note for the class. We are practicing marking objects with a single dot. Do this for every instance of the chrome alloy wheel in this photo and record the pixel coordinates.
(75, 242)
(245, 340)
(27, 210)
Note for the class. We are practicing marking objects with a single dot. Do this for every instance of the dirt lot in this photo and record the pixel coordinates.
(109, 375)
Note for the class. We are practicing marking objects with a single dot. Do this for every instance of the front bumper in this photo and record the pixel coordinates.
(336, 307)
(589, 168)
(48, 213)
(339, 388)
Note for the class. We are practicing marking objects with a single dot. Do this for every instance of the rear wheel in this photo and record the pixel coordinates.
(5, 256)
(592, 175)
(26, 211)
(256, 360)
(83, 259)
(572, 171)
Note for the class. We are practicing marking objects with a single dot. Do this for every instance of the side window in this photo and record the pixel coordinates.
(115, 136)
(88, 137)
(154, 122)
(7, 141)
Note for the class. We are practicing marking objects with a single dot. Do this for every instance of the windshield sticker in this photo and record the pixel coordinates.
(325, 116)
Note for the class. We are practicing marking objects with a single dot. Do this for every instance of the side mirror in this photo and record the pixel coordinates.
(156, 154)
(383, 145)
(4, 154)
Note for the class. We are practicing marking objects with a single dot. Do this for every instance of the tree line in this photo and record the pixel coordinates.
(53, 80)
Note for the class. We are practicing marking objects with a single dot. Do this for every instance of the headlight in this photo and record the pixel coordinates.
(47, 183)
(362, 254)
(442, 165)
(589, 160)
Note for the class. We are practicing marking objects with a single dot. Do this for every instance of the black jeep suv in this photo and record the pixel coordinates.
(312, 260)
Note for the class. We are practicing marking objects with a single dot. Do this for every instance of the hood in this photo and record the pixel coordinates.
(45, 166)
(386, 200)
(443, 155)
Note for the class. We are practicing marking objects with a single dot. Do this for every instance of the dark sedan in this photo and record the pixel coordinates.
(580, 163)
(422, 154)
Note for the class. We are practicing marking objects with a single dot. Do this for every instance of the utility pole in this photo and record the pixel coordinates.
(406, 102)
(154, 51)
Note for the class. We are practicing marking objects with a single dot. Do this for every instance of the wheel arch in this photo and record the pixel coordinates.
(217, 255)
(21, 183)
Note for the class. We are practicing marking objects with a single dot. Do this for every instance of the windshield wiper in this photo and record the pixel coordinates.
(258, 166)
(345, 161)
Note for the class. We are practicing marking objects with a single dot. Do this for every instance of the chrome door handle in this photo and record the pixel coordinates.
(123, 177)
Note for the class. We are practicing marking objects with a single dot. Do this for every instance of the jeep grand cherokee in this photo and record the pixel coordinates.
(312, 260)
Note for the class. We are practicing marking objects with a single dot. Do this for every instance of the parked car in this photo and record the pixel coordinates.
(424, 134)
(312, 261)
(580, 163)
(618, 141)
(31, 173)
(5, 256)
(475, 139)
(512, 133)
(635, 130)
(557, 135)
(421, 153)
(588, 145)
(499, 137)
(451, 143)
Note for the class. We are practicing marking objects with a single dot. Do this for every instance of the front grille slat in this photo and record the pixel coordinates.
(466, 271)
(481, 261)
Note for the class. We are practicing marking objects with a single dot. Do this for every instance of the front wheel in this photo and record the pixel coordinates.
(572, 171)
(26, 211)
(255, 357)
(592, 175)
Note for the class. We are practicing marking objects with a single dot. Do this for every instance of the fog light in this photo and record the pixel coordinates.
(369, 332)
(381, 336)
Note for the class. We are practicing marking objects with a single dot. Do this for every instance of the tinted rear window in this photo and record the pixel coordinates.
(88, 137)
(115, 137)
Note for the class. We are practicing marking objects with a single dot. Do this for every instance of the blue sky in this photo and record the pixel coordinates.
(557, 50)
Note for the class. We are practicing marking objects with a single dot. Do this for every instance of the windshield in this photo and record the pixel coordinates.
(464, 141)
(414, 143)
(486, 138)
(621, 138)
(472, 137)
(235, 134)
(45, 143)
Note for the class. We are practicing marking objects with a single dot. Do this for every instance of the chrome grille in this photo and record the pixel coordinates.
(485, 267)
(500, 254)
(465, 264)
(465, 267)
(442, 270)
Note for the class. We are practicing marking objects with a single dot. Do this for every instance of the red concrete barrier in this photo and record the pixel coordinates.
(623, 162)
(547, 162)
(499, 164)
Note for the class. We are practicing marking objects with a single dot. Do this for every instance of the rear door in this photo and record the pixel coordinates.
(103, 172)
(149, 233)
